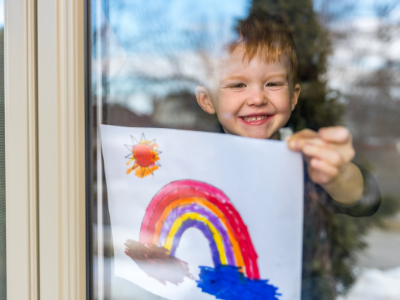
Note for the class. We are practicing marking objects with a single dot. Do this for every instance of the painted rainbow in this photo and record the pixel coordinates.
(186, 204)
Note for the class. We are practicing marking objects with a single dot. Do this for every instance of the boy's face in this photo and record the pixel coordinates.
(253, 98)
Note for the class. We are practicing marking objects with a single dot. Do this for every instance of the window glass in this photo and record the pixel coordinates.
(3, 270)
(145, 61)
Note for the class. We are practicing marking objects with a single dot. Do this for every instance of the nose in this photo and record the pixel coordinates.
(257, 97)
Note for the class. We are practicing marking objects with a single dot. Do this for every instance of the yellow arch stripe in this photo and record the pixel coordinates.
(195, 216)
(201, 202)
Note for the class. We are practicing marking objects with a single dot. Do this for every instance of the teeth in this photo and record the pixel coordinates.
(253, 119)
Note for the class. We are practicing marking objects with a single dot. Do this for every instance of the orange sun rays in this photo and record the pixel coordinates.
(144, 155)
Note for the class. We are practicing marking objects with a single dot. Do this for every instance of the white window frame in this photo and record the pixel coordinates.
(45, 149)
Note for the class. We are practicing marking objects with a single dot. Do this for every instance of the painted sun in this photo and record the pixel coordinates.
(144, 156)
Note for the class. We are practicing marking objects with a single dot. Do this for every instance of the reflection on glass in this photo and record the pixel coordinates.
(148, 58)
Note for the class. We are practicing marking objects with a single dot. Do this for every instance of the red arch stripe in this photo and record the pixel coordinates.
(187, 188)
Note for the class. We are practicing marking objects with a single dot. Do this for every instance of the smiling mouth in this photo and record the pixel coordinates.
(254, 118)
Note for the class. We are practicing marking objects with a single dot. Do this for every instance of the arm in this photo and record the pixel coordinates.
(366, 206)
(347, 188)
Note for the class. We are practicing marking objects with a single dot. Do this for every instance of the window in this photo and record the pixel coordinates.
(144, 61)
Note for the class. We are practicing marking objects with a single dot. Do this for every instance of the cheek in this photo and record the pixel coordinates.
(282, 102)
(222, 109)
(228, 105)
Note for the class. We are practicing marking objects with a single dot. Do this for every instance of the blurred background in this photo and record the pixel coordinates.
(147, 59)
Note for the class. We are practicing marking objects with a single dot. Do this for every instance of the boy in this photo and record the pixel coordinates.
(256, 94)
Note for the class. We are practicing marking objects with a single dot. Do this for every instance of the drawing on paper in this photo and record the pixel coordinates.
(157, 263)
(144, 156)
(186, 204)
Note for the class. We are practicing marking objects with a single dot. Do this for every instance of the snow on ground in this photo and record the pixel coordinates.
(375, 284)
(379, 265)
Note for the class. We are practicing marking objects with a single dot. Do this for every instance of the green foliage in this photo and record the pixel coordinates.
(318, 106)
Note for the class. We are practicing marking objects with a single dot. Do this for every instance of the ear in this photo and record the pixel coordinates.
(295, 95)
(204, 100)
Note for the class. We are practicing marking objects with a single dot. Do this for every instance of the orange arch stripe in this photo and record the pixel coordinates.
(183, 201)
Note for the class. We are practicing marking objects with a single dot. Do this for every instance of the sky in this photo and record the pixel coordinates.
(1, 13)
(134, 21)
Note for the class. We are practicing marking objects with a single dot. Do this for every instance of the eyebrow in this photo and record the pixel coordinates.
(240, 77)
(285, 75)
(234, 77)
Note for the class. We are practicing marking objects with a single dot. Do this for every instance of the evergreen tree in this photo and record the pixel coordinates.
(318, 106)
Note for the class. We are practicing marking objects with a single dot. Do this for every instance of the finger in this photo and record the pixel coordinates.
(128, 243)
(299, 143)
(316, 142)
(319, 177)
(346, 151)
(337, 134)
(331, 156)
(329, 170)
(305, 133)
(295, 140)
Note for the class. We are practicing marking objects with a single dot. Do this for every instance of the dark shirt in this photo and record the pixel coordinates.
(320, 232)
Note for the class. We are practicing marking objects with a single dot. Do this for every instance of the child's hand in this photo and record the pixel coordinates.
(328, 153)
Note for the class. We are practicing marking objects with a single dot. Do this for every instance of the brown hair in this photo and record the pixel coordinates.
(270, 37)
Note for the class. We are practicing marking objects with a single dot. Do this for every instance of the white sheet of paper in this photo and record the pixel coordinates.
(262, 179)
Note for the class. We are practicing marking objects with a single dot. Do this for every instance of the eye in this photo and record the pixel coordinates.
(237, 86)
(272, 84)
